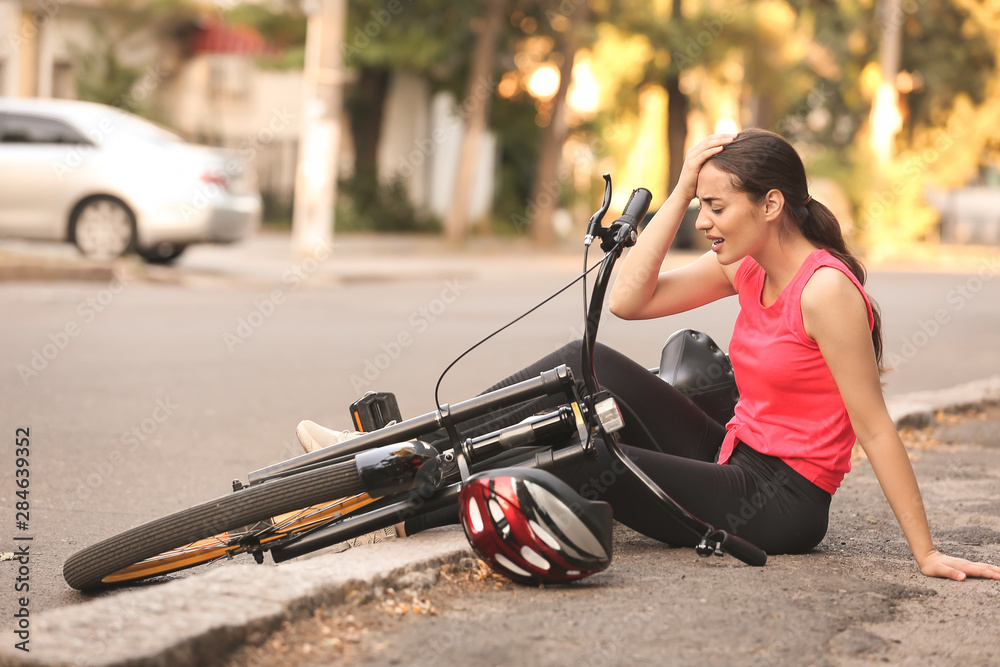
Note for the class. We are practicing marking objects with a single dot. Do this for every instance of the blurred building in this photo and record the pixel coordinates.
(43, 41)
(202, 78)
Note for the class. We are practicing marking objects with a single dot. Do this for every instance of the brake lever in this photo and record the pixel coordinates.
(595, 220)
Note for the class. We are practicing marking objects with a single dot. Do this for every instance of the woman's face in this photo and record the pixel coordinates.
(731, 221)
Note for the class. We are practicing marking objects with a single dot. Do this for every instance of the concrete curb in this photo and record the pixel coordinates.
(201, 619)
(917, 410)
(19, 270)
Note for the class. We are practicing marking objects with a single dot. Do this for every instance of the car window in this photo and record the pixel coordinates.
(25, 129)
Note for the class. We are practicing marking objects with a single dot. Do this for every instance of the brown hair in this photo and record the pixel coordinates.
(759, 161)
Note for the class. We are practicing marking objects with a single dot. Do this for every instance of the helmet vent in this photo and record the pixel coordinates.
(475, 516)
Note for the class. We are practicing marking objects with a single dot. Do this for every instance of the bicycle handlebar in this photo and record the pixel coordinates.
(635, 209)
(742, 550)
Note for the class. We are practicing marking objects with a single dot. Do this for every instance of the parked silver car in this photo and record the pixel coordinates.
(111, 182)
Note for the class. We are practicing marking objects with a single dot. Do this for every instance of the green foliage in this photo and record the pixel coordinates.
(431, 37)
(283, 26)
(101, 73)
(799, 67)
(518, 146)
(364, 204)
(290, 58)
(101, 76)
(953, 55)
(949, 52)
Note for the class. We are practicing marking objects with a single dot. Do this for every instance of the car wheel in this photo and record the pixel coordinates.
(162, 253)
(103, 228)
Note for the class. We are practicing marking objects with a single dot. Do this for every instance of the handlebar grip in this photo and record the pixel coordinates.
(742, 550)
(636, 207)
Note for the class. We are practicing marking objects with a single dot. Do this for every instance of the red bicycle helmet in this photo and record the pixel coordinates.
(531, 527)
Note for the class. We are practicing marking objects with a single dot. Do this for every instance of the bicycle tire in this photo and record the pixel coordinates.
(98, 564)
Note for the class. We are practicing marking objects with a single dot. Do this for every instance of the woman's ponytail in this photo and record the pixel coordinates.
(821, 227)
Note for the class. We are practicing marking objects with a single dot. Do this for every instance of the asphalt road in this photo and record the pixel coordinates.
(144, 397)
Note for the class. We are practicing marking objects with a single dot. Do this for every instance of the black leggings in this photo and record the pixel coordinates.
(757, 497)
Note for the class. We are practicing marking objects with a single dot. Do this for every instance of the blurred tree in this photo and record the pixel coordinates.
(480, 75)
(948, 106)
(431, 40)
(282, 23)
(678, 107)
(102, 74)
(567, 20)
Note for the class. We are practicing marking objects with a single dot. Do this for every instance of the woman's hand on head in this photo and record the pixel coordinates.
(936, 564)
(687, 182)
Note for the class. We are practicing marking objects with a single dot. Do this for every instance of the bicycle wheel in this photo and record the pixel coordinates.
(219, 528)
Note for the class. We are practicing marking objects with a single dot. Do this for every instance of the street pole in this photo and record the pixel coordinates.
(319, 136)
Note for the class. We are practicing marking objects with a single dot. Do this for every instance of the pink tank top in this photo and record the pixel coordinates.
(789, 404)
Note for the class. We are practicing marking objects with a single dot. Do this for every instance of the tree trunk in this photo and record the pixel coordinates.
(548, 185)
(479, 92)
(678, 107)
(366, 105)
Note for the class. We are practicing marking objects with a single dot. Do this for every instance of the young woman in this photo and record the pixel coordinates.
(806, 350)
(807, 344)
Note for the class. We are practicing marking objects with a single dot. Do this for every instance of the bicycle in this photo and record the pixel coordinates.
(390, 472)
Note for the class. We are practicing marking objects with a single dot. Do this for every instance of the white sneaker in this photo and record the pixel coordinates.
(312, 436)
(374, 537)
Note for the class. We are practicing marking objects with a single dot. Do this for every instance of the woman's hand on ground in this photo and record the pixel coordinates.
(687, 182)
(936, 564)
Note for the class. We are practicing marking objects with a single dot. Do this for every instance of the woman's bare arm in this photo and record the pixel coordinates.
(835, 316)
(641, 290)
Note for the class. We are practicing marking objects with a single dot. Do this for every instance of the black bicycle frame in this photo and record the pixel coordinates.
(549, 383)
